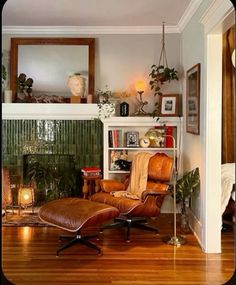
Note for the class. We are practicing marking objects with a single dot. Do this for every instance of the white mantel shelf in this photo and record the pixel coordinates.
(47, 111)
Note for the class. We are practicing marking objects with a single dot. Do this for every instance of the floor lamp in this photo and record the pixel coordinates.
(174, 240)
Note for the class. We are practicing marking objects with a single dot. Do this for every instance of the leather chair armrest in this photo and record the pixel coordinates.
(108, 185)
(154, 188)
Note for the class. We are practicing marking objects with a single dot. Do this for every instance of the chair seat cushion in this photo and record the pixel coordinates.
(124, 205)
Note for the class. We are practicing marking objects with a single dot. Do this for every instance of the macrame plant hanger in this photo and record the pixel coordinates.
(163, 58)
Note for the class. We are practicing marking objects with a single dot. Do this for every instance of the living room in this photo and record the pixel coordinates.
(127, 42)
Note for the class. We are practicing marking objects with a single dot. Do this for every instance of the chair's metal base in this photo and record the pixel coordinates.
(135, 222)
(78, 238)
(174, 240)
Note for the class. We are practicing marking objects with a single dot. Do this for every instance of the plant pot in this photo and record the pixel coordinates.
(184, 223)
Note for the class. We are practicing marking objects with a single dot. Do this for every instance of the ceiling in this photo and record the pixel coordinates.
(97, 13)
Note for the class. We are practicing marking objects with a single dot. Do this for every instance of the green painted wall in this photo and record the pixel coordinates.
(54, 143)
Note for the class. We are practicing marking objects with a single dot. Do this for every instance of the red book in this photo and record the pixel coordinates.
(90, 169)
(169, 132)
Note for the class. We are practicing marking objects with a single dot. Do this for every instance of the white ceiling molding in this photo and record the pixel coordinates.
(85, 30)
(217, 11)
(188, 14)
(75, 30)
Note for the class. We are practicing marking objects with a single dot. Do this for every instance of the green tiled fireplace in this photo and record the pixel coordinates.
(58, 148)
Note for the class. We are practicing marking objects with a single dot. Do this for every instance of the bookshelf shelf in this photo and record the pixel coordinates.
(115, 131)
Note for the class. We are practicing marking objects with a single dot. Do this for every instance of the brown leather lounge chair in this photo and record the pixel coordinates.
(134, 213)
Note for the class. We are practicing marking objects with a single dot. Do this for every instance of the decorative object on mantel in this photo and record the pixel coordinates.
(7, 96)
(76, 84)
(161, 73)
(24, 85)
(124, 109)
(140, 87)
(106, 108)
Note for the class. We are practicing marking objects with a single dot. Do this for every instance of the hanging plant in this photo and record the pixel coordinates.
(161, 73)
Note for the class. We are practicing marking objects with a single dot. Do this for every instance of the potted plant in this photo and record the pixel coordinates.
(159, 75)
(4, 74)
(185, 186)
(106, 108)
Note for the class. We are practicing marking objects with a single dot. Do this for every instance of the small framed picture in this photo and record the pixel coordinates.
(132, 139)
(193, 100)
(169, 104)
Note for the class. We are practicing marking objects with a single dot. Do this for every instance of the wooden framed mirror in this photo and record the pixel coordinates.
(58, 54)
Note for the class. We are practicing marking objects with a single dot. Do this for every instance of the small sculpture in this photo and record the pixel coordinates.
(76, 84)
(25, 85)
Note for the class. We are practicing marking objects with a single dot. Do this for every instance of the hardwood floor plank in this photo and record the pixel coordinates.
(28, 257)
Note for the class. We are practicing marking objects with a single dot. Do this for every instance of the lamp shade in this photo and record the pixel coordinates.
(26, 196)
(140, 85)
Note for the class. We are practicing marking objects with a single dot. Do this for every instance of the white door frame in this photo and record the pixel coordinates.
(217, 19)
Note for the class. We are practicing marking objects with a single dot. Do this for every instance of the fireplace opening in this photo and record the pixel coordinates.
(53, 176)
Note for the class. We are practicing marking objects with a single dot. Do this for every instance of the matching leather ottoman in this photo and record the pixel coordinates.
(74, 214)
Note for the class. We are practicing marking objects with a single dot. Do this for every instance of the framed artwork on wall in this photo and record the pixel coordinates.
(169, 104)
(193, 100)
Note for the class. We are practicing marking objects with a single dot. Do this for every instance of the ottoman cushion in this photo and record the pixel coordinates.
(72, 214)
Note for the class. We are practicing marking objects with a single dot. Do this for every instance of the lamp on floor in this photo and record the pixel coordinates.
(174, 240)
(26, 197)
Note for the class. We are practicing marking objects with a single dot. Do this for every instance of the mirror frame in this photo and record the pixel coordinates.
(15, 42)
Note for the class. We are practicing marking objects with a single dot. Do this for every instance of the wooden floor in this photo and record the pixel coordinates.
(29, 258)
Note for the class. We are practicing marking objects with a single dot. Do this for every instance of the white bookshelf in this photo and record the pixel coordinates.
(140, 125)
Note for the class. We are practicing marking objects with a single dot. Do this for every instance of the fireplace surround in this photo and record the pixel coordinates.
(57, 137)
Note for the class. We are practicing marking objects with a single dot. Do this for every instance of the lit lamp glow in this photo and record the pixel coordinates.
(140, 87)
(233, 57)
(26, 197)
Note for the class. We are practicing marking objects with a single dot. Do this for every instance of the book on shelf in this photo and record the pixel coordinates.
(91, 171)
(115, 157)
(115, 138)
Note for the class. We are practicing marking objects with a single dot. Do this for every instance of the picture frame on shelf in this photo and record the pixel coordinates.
(169, 105)
(193, 100)
(115, 157)
(132, 139)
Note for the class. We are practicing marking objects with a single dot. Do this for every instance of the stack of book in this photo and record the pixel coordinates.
(91, 171)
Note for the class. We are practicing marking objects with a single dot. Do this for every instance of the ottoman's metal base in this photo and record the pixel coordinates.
(78, 238)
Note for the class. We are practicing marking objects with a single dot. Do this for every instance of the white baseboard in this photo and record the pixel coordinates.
(196, 227)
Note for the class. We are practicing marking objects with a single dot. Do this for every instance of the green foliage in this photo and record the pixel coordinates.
(159, 75)
(4, 73)
(186, 185)
(51, 181)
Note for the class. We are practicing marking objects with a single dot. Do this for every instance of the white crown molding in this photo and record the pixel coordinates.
(218, 11)
(84, 30)
(188, 14)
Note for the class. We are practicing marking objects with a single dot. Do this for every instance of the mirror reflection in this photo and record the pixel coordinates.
(50, 63)
(50, 67)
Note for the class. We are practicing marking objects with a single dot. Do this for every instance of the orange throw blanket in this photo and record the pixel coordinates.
(138, 177)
